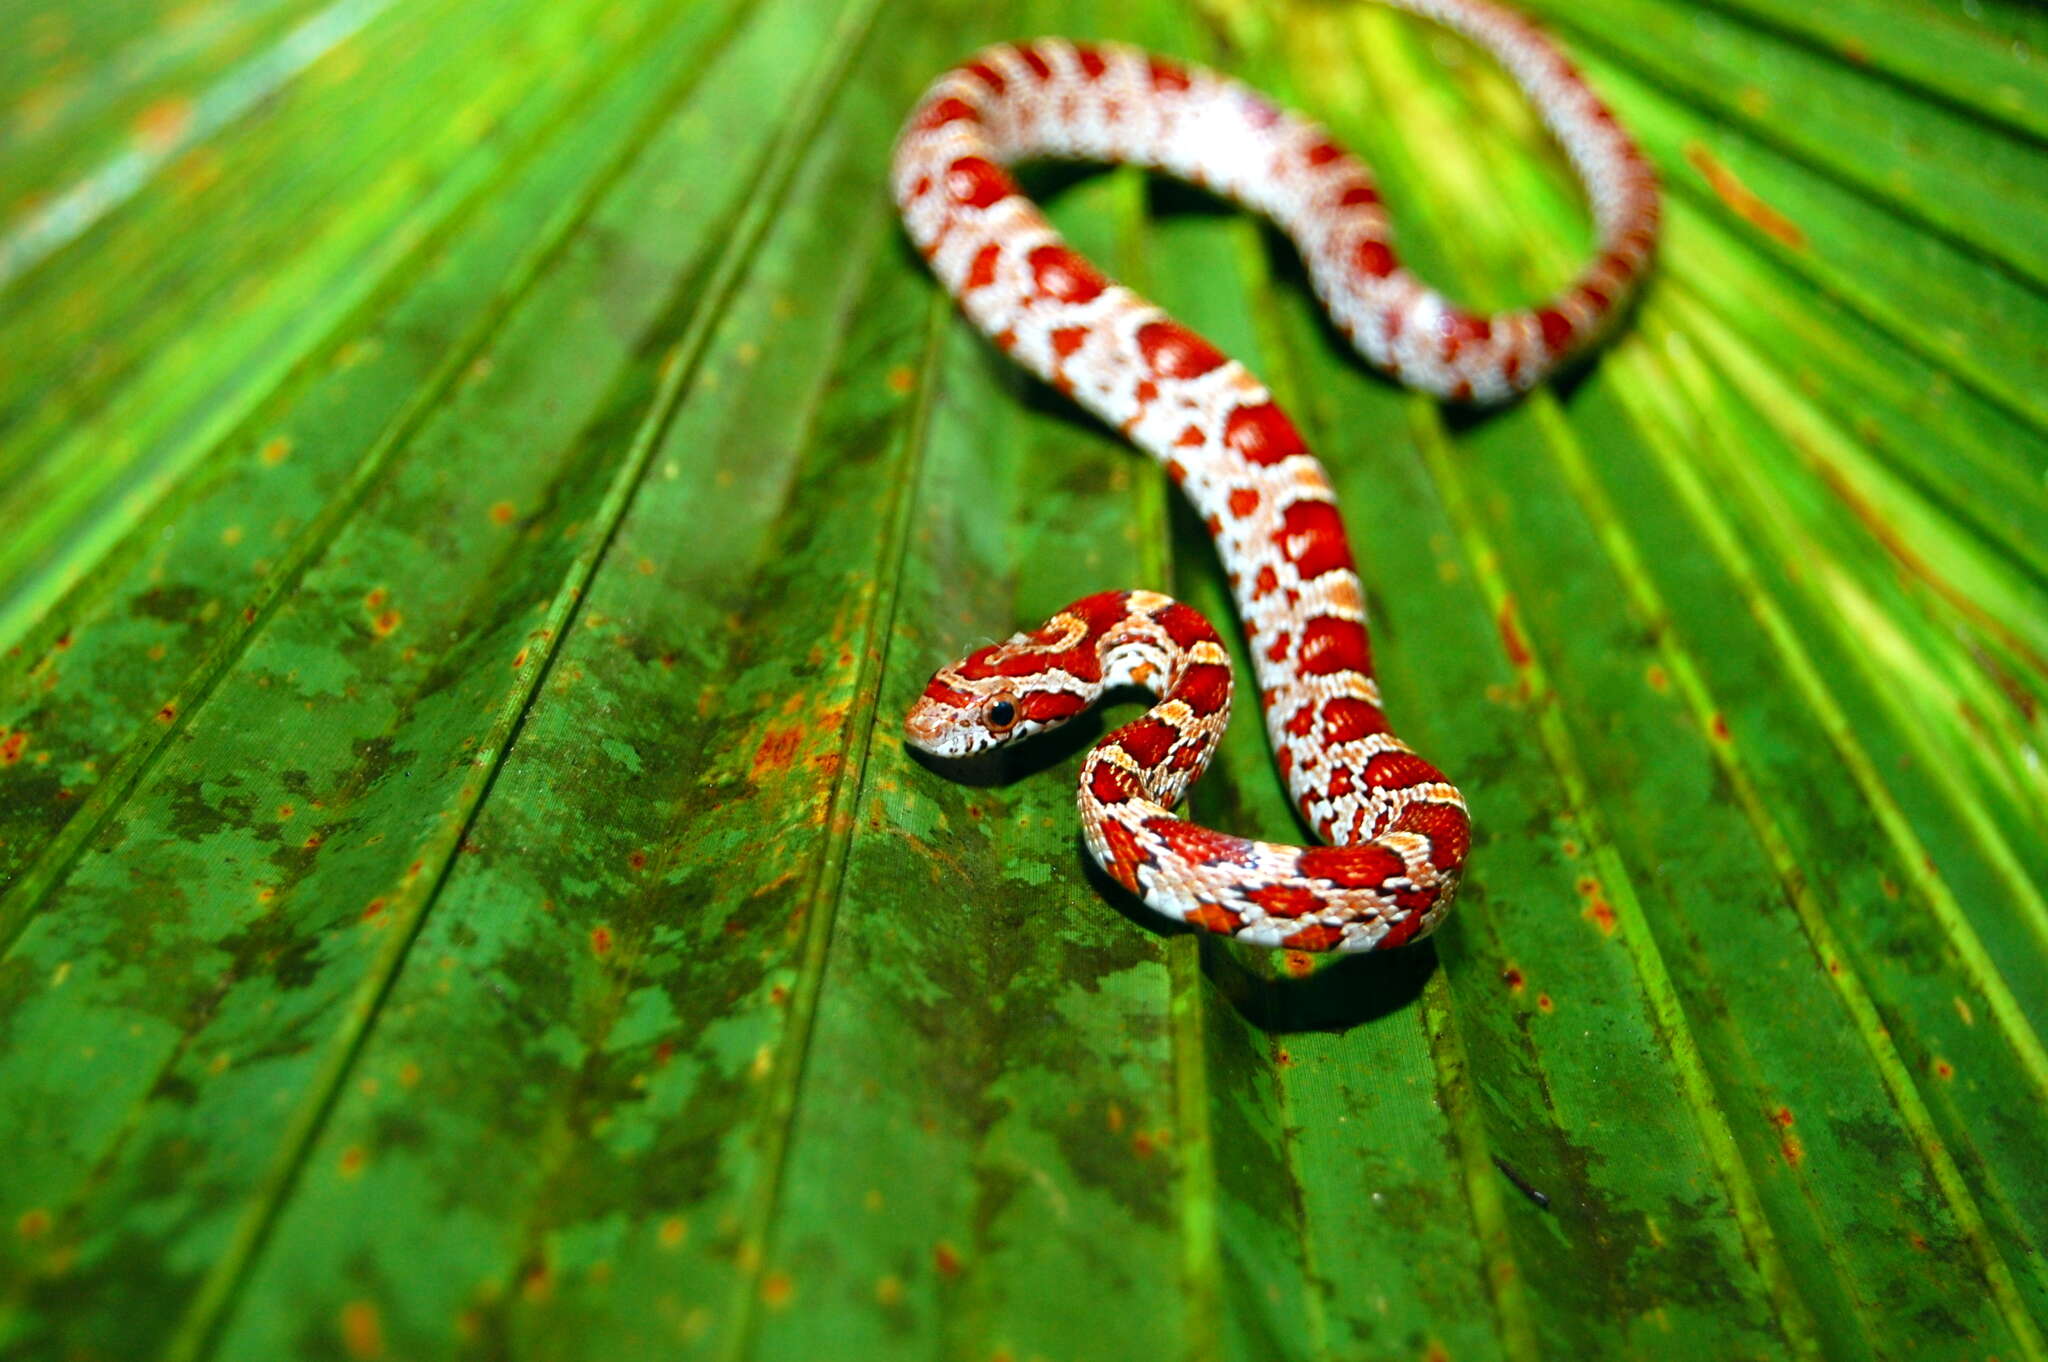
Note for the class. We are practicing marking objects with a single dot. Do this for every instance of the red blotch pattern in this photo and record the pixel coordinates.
(1262, 434)
(1064, 275)
(1204, 686)
(1311, 536)
(1330, 645)
(952, 172)
(1359, 867)
(1173, 351)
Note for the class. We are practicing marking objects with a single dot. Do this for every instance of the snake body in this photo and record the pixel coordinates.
(1400, 829)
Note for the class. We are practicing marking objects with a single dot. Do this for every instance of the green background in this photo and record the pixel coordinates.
(481, 479)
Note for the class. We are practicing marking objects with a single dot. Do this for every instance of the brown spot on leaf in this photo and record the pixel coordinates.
(946, 1258)
(12, 745)
(601, 940)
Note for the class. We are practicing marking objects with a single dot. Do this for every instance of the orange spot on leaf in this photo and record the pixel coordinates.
(164, 122)
(778, 746)
(362, 1330)
(1742, 200)
(1511, 635)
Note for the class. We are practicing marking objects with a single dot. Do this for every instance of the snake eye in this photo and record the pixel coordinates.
(1001, 716)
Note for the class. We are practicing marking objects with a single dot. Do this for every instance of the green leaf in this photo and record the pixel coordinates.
(478, 502)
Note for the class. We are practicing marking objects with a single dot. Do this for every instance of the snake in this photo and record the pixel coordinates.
(1394, 832)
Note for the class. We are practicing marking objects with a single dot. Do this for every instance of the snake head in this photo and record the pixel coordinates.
(977, 705)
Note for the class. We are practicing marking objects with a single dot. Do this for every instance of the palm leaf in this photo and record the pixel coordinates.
(481, 481)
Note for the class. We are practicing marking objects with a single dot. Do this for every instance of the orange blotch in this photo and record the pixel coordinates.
(12, 745)
(352, 1160)
(1123, 854)
(1543, 1003)
(1211, 917)
(164, 122)
(362, 1330)
(777, 748)
(946, 1258)
(1719, 727)
(777, 1290)
(1601, 914)
(386, 624)
(1944, 1070)
(1511, 635)
(1742, 200)
(601, 940)
(502, 512)
(275, 450)
(1794, 1152)
(33, 1224)
(1284, 900)
(1316, 936)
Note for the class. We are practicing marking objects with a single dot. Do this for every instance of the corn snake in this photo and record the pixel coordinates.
(1398, 830)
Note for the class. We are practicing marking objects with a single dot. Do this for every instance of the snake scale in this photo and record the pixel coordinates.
(1397, 831)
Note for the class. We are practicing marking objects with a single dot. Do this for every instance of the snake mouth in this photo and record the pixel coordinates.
(925, 730)
(936, 730)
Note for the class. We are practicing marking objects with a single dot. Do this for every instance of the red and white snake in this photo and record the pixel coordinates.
(1399, 828)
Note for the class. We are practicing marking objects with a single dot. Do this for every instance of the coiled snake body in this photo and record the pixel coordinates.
(1399, 828)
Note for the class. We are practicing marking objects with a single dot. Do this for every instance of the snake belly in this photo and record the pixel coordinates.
(1399, 829)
